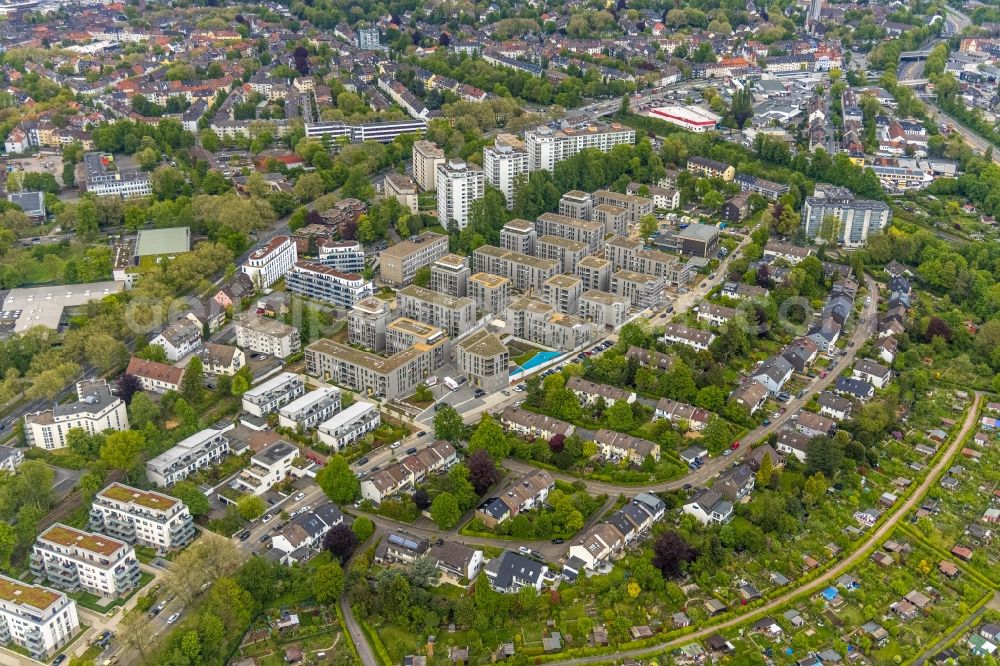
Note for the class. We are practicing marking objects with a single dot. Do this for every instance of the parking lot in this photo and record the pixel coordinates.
(40, 163)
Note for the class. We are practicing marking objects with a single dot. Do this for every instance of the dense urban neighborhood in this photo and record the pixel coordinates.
(456, 333)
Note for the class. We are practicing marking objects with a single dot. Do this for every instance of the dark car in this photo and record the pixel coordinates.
(60, 659)
(687, 486)
(263, 538)
(244, 535)
(421, 433)
(441, 405)
(363, 461)
(270, 500)
(411, 450)
(557, 540)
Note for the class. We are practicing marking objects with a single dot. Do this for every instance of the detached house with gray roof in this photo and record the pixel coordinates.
(773, 373)
(708, 506)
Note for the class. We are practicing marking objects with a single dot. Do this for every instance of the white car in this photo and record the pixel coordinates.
(524, 550)
(266, 519)
(300, 496)
(173, 618)
(305, 508)
(395, 445)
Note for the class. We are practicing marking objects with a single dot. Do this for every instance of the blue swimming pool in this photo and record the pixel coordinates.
(537, 360)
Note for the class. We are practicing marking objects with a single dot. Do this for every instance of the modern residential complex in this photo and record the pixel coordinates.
(484, 359)
(95, 411)
(141, 517)
(548, 146)
(273, 394)
(203, 449)
(399, 263)
(269, 263)
(329, 285)
(36, 618)
(844, 220)
(267, 336)
(453, 314)
(72, 560)
(310, 410)
(366, 323)
(349, 425)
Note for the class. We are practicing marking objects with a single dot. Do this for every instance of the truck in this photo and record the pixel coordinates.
(451, 383)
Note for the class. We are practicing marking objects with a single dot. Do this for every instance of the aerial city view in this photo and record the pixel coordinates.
(452, 333)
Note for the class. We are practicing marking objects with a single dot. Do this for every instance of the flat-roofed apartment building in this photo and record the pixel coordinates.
(614, 219)
(603, 309)
(567, 252)
(94, 411)
(450, 275)
(400, 263)
(576, 204)
(141, 517)
(454, 314)
(627, 254)
(38, 619)
(404, 333)
(269, 263)
(642, 290)
(635, 206)
(595, 273)
(73, 560)
(524, 271)
(583, 231)
(349, 425)
(370, 374)
(273, 394)
(504, 163)
(547, 146)
(484, 359)
(267, 336)
(311, 409)
(267, 468)
(519, 236)
(426, 159)
(563, 293)
(366, 323)
(203, 449)
(329, 285)
(491, 293)
(537, 321)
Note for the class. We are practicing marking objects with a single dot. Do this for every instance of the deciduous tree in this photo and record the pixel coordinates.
(338, 481)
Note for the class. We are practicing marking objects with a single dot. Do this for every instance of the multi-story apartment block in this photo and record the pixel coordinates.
(403, 189)
(563, 293)
(221, 359)
(38, 619)
(635, 207)
(72, 560)
(371, 374)
(141, 517)
(621, 253)
(504, 164)
(491, 293)
(576, 204)
(270, 466)
(349, 425)
(537, 321)
(203, 449)
(454, 314)
(345, 256)
(101, 178)
(95, 411)
(614, 218)
(643, 291)
(519, 236)
(604, 310)
(404, 333)
(269, 263)
(594, 272)
(399, 263)
(273, 394)
(427, 157)
(329, 285)
(667, 266)
(547, 146)
(458, 185)
(311, 409)
(267, 336)
(703, 166)
(589, 233)
(450, 275)
(366, 324)
(10, 458)
(484, 360)
(524, 271)
(844, 220)
(567, 252)
(179, 338)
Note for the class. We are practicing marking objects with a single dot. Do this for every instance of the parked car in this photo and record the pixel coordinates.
(266, 519)
(439, 406)
(263, 538)
(557, 541)
(173, 618)
(363, 460)
(395, 445)
(244, 535)
(300, 497)
(421, 434)
(411, 450)
(727, 452)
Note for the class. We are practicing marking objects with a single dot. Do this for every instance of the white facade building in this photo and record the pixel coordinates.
(547, 146)
(273, 394)
(202, 449)
(267, 336)
(72, 560)
(458, 185)
(141, 516)
(349, 425)
(269, 263)
(503, 165)
(96, 410)
(38, 619)
(311, 409)
(270, 466)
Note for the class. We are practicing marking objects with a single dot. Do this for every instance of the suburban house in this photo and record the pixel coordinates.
(402, 547)
(708, 506)
(588, 392)
(456, 561)
(179, 339)
(801, 353)
(887, 348)
(716, 315)
(511, 572)
(154, 376)
(739, 291)
(650, 359)
(834, 406)
(674, 411)
(530, 424)
(825, 333)
(874, 373)
(619, 445)
(792, 442)
(408, 472)
(528, 492)
(221, 359)
(773, 373)
(855, 388)
(307, 530)
(751, 396)
(606, 539)
(272, 465)
(736, 483)
(684, 335)
(598, 545)
(814, 425)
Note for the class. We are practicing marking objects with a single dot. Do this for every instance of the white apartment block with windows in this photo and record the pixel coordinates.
(427, 157)
(450, 275)
(582, 231)
(453, 314)
(458, 185)
(547, 146)
(202, 449)
(267, 336)
(273, 394)
(329, 285)
(141, 517)
(603, 309)
(73, 560)
(491, 293)
(524, 271)
(349, 425)
(270, 466)
(95, 411)
(504, 164)
(38, 619)
(311, 409)
(366, 323)
(269, 263)
(344, 256)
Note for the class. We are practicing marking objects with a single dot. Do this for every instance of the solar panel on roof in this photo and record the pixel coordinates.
(403, 541)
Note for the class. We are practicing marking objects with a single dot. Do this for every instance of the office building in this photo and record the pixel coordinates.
(427, 157)
(563, 293)
(604, 310)
(547, 146)
(458, 185)
(399, 263)
(269, 263)
(491, 293)
(524, 271)
(273, 394)
(349, 425)
(484, 360)
(141, 517)
(103, 179)
(519, 236)
(311, 409)
(329, 285)
(589, 233)
(344, 256)
(595, 273)
(370, 374)
(505, 164)
(267, 468)
(844, 220)
(576, 204)
(94, 411)
(450, 275)
(402, 188)
(267, 336)
(203, 449)
(366, 324)
(454, 314)
(36, 618)
(73, 560)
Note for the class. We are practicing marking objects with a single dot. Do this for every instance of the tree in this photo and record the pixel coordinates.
(83, 443)
(937, 327)
(251, 507)
(309, 186)
(619, 416)
(338, 481)
(143, 410)
(647, 227)
(633, 589)
(423, 393)
(483, 472)
(192, 496)
(128, 385)
(670, 553)
(491, 437)
(8, 541)
(239, 386)
(422, 278)
(766, 471)
(122, 450)
(824, 455)
(421, 499)
(341, 542)
(193, 380)
(814, 490)
(328, 583)
(448, 425)
(742, 106)
(363, 527)
(445, 511)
